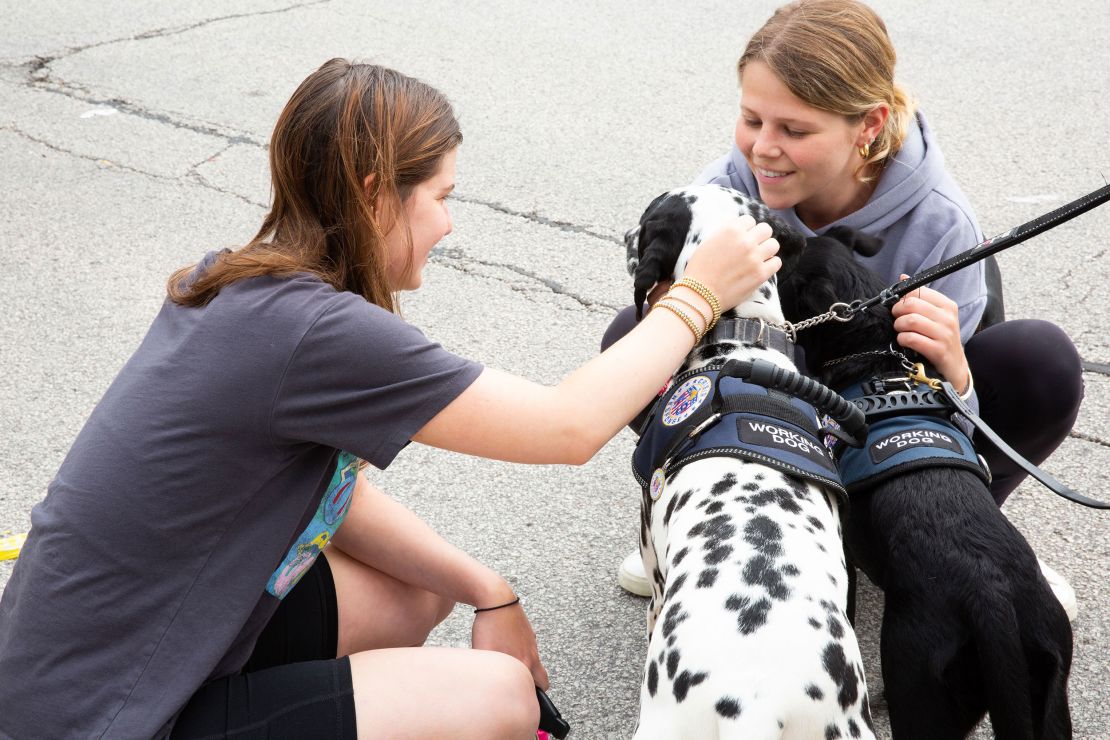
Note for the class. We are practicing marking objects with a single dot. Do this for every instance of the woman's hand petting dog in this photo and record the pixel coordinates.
(735, 260)
(928, 322)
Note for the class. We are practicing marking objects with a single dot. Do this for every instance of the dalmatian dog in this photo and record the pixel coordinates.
(748, 632)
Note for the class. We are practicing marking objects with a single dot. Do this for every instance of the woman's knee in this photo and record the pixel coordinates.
(1032, 360)
(510, 694)
(443, 692)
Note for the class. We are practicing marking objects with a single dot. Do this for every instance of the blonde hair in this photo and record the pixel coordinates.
(346, 121)
(836, 55)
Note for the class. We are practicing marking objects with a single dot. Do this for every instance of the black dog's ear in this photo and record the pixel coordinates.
(857, 241)
(806, 295)
(791, 243)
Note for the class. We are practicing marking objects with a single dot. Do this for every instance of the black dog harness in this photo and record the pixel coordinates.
(901, 409)
(908, 429)
(710, 412)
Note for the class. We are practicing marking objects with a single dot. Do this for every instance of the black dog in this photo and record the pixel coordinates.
(970, 625)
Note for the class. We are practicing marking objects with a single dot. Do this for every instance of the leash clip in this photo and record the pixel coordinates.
(918, 374)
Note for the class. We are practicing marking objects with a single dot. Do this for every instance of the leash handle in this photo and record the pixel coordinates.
(988, 247)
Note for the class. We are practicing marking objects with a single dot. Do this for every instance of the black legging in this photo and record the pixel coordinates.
(1029, 380)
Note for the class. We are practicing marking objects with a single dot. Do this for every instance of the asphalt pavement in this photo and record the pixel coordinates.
(132, 141)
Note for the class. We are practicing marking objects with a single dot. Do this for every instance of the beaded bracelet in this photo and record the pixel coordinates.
(714, 304)
(682, 315)
(705, 319)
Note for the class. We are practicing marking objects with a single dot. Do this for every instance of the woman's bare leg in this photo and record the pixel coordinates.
(436, 692)
(405, 691)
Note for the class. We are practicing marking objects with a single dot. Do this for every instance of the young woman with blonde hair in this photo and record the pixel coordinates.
(171, 583)
(826, 137)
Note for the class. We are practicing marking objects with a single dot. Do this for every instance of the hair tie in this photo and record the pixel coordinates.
(499, 606)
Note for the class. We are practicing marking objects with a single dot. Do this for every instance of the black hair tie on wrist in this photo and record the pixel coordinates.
(499, 606)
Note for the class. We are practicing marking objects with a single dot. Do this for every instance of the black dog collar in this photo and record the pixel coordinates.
(750, 333)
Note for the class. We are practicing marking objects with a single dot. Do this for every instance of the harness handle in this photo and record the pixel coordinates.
(769, 375)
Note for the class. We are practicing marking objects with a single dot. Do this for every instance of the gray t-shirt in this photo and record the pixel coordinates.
(194, 495)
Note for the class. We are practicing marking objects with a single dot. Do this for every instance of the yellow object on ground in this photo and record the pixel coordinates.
(10, 546)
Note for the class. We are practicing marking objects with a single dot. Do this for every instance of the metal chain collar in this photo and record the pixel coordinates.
(909, 367)
(837, 312)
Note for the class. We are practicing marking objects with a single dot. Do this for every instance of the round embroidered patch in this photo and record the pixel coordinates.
(686, 400)
(655, 489)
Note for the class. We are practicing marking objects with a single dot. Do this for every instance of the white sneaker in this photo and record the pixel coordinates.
(1060, 586)
(631, 575)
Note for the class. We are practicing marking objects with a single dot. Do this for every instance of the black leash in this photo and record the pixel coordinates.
(1016, 235)
(1047, 480)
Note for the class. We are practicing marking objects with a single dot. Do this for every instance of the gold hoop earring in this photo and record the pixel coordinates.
(865, 150)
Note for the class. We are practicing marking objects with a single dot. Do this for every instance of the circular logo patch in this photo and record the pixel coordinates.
(655, 489)
(686, 400)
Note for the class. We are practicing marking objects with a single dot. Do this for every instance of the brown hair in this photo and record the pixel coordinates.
(344, 122)
(836, 55)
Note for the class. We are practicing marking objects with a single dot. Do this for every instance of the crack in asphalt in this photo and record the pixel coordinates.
(101, 161)
(456, 259)
(42, 62)
(1090, 438)
(76, 92)
(193, 174)
(536, 218)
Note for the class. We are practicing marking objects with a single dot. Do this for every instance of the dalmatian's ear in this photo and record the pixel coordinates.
(632, 249)
(857, 241)
(653, 247)
(660, 243)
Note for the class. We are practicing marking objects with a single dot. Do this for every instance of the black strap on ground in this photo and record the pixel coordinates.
(1014, 236)
(1047, 480)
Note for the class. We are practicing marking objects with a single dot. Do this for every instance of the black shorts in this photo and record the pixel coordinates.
(292, 686)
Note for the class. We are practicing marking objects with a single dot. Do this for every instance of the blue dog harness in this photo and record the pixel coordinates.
(706, 414)
(906, 431)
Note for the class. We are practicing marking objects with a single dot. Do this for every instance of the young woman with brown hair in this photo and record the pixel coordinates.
(826, 137)
(171, 585)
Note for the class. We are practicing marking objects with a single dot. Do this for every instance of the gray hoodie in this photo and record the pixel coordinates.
(917, 209)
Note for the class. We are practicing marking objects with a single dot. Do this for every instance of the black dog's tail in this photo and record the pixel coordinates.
(1002, 665)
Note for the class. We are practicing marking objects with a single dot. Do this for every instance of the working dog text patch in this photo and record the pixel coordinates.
(911, 439)
(766, 434)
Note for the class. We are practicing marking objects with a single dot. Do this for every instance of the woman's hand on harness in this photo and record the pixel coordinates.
(507, 630)
(928, 322)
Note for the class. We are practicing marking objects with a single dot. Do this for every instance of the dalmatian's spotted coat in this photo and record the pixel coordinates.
(748, 633)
